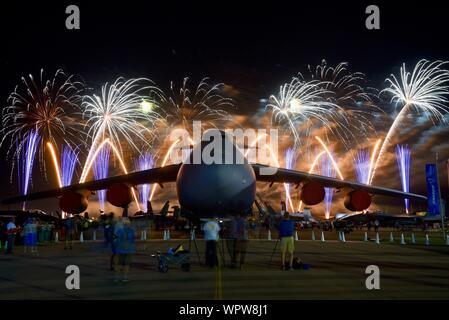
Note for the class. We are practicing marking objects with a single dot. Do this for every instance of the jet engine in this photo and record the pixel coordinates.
(357, 200)
(312, 193)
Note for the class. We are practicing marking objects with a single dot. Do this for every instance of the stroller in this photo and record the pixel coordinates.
(174, 256)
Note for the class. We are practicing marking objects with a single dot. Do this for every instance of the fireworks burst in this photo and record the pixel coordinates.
(300, 102)
(403, 160)
(123, 113)
(424, 90)
(204, 103)
(349, 91)
(144, 162)
(42, 107)
(348, 88)
(290, 162)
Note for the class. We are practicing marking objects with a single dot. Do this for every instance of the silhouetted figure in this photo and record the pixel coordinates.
(211, 230)
(125, 247)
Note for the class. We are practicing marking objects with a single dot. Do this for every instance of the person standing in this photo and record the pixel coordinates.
(231, 239)
(2, 233)
(109, 234)
(33, 229)
(11, 231)
(125, 247)
(241, 237)
(211, 230)
(70, 232)
(28, 235)
(286, 230)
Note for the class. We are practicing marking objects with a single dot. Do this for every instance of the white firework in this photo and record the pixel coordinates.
(299, 102)
(424, 90)
(205, 102)
(123, 112)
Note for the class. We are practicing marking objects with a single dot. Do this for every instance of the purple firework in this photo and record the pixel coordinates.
(69, 159)
(30, 146)
(144, 162)
(101, 169)
(362, 162)
(403, 160)
(328, 170)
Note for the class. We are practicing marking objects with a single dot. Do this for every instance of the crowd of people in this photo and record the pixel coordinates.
(31, 232)
(119, 238)
(235, 231)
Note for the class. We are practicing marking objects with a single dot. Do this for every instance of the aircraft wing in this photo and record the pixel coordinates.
(155, 175)
(297, 177)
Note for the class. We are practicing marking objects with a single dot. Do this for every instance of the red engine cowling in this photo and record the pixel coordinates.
(74, 202)
(312, 193)
(357, 200)
(119, 195)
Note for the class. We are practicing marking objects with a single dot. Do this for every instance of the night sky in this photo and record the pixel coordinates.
(254, 47)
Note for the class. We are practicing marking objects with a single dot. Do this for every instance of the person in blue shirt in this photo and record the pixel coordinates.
(70, 227)
(125, 247)
(286, 230)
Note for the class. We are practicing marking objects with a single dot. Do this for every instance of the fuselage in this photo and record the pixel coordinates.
(216, 189)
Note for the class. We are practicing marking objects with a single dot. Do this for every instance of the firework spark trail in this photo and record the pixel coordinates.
(290, 162)
(315, 163)
(144, 162)
(204, 103)
(312, 167)
(349, 91)
(89, 164)
(43, 106)
(64, 172)
(55, 163)
(362, 164)
(424, 90)
(328, 170)
(164, 162)
(30, 145)
(371, 164)
(69, 159)
(330, 157)
(276, 162)
(118, 114)
(403, 161)
(303, 101)
(101, 170)
(348, 87)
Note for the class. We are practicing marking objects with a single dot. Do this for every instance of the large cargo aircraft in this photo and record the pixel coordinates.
(216, 189)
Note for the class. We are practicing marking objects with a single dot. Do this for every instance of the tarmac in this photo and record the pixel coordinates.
(337, 272)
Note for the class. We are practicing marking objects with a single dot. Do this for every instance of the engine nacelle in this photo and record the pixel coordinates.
(74, 202)
(119, 194)
(312, 193)
(357, 200)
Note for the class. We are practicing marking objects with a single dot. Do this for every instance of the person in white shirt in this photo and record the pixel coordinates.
(211, 230)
